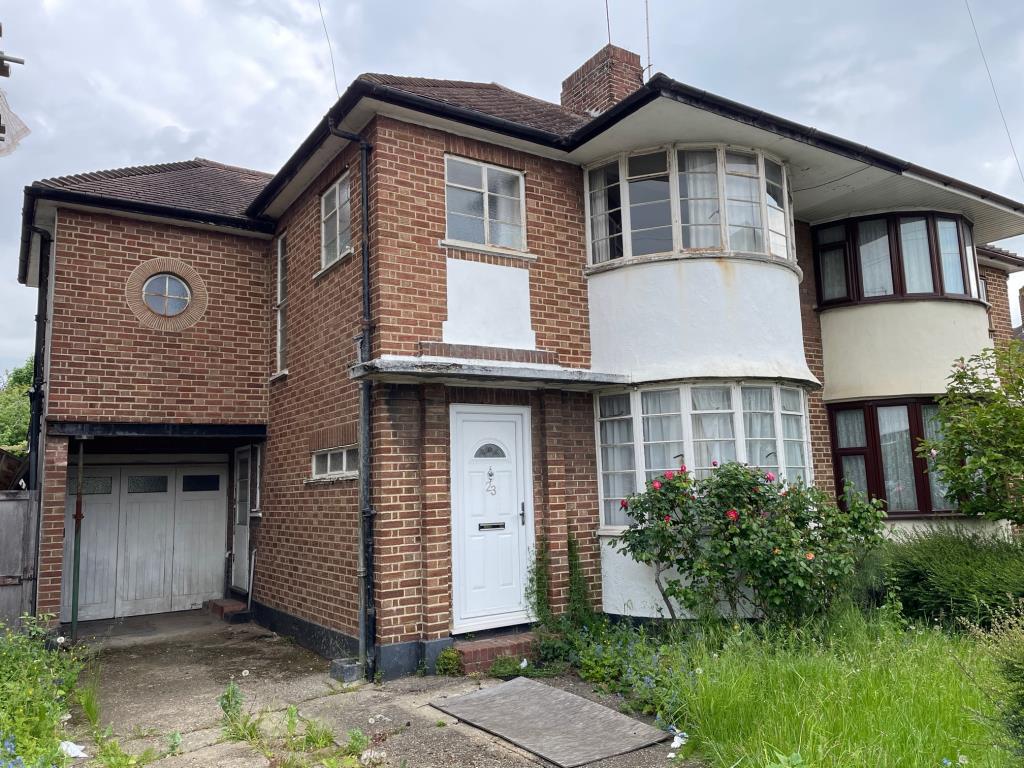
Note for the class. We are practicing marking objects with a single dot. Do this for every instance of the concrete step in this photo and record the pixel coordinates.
(479, 654)
(229, 609)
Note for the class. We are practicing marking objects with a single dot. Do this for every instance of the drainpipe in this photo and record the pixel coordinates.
(364, 570)
(36, 394)
(77, 567)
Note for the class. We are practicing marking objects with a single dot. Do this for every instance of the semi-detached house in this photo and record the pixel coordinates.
(459, 319)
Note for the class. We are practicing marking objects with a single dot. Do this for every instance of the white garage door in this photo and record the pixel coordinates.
(153, 539)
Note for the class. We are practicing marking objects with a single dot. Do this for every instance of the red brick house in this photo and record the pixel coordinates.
(460, 318)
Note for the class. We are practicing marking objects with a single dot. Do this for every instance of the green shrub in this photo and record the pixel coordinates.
(538, 583)
(36, 684)
(740, 538)
(951, 573)
(1005, 640)
(449, 662)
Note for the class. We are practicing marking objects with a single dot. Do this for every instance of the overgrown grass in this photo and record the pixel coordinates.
(36, 683)
(848, 693)
(956, 573)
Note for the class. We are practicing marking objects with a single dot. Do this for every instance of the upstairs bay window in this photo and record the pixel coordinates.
(892, 256)
(688, 199)
(644, 433)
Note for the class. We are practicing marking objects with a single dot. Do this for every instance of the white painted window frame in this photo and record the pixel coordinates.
(686, 403)
(346, 451)
(673, 169)
(470, 245)
(341, 249)
(281, 306)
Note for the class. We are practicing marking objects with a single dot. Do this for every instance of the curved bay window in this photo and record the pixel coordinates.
(874, 449)
(688, 199)
(895, 256)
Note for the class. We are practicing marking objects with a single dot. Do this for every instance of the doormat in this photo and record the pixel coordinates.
(556, 725)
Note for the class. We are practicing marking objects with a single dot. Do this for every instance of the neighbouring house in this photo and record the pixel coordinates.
(461, 318)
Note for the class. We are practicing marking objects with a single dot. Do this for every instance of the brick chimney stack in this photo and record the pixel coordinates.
(604, 80)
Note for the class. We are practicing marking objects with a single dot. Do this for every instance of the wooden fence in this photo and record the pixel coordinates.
(18, 514)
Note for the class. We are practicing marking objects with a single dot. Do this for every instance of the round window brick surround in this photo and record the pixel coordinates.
(147, 269)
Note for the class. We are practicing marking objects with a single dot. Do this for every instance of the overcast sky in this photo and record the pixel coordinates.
(111, 83)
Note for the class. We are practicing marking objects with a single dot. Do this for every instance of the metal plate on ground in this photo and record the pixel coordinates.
(556, 725)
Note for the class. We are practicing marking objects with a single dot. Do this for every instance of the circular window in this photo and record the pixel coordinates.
(167, 295)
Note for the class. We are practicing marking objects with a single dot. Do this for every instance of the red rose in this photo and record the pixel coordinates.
(714, 463)
(624, 504)
(668, 519)
(656, 485)
(669, 475)
(733, 515)
(682, 468)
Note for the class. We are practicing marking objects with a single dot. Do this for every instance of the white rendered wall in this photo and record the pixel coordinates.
(898, 347)
(488, 305)
(627, 587)
(697, 317)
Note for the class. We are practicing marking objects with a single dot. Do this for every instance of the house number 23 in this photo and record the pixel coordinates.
(490, 487)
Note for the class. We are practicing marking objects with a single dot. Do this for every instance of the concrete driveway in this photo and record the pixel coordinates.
(165, 678)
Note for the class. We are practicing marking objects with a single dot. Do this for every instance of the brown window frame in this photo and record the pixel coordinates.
(851, 256)
(872, 452)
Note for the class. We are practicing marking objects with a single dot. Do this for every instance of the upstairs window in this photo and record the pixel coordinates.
(689, 199)
(897, 255)
(335, 222)
(484, 204)
(282, 304)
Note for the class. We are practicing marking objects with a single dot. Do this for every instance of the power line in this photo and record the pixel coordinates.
(334, 69)
(991, 82)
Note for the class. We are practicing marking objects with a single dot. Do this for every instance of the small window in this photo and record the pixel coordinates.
(605, 213)
(699, 206)
(618, 461)
(775, 196)
(166, 295)
(91, 486)
(917, 260)
(336, 462)
(282, 304)
(743, 202)
(832, 265)
(147, 484)
(484, 204)
(489, 451)
(650, 207)
(335, 222)
(949, 256)
(199, 483)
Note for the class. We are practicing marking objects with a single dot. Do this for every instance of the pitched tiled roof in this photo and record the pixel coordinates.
(489, 99)
(198, 185)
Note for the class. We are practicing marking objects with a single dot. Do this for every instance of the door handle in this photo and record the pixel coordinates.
(522, 513)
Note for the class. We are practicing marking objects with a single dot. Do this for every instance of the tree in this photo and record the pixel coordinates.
(979, 450)
(15, 408)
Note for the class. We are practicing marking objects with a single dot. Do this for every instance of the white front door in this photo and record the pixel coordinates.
(243, 505)
(492, 515)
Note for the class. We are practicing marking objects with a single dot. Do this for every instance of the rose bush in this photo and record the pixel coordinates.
(741, 539)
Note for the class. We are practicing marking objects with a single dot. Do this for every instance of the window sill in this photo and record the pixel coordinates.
(607, 531)
(906, 298)
(607, 266)
(330, 479)
(324, 270)
(279, 376)
(487, 250)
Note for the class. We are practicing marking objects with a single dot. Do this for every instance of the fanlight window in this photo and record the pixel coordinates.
(489, 451)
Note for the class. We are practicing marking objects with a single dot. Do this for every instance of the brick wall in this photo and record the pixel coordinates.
(821, 446)
(307, 539)
(408, 200)
(106, 366)
(998, 297)
(605, 79)
(51, 544)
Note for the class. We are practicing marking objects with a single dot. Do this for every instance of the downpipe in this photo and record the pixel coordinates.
(364, 570)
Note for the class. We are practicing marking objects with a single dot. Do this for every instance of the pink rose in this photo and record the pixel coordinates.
(669, 475)
(714, 463)
(624, 504)
(656, 485)
(769, 476)
(668, 519)
(733, 515)
(682, 468)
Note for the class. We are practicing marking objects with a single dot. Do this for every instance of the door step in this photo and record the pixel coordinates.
(232, 611)
(479, 655)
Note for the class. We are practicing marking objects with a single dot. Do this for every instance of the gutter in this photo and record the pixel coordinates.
(364, 572)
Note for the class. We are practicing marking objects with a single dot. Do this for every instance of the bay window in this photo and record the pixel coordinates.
(645, 432)
(688, 199)
(913, 255)
(875, 451)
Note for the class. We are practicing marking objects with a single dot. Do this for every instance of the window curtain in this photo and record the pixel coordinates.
(875, 266)
(897, 458)
(663, 431)
(833, 273)
(917, 263)
(929, 415)
(713, 434)
(759, 426)
(618, 478)
(699, 204)
(949, 253)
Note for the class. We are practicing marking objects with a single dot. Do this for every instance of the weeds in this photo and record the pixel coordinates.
(449, 662)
